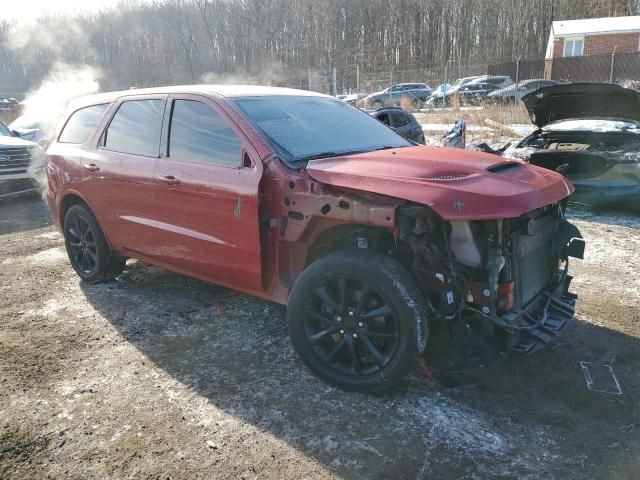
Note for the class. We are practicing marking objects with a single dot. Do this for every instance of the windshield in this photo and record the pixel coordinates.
(305, 127)
(4, 131)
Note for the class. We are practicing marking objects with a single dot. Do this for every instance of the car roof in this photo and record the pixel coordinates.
(228, 91)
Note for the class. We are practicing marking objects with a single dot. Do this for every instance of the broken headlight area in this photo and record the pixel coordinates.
(509, 275)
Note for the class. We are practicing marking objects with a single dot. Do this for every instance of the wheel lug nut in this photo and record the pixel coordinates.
(360, 324)
(355, 335)
(341, 332)
(350, 313)
(338, 318)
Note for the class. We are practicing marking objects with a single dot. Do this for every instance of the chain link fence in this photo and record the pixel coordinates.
(620, 68)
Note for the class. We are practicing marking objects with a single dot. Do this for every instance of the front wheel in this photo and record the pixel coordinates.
(357, 319)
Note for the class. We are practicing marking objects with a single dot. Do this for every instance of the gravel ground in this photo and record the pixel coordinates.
(156, 375)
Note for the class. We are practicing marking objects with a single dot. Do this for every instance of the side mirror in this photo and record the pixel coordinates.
(16, 133)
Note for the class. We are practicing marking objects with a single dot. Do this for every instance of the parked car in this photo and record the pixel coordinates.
(499, 81)
(21, 163)
(298, 198)
(589, 132)
(9, 105)
(464, 80)
(29, 129)
(469, 94)
(515, 92)
(354, 98)
(442, 89)
(401, 121)
(416, 93)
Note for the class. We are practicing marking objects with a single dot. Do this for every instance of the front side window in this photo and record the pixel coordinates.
(135, 128)
(198, 133)
(301, 128)
(81, 123)
(573, 47)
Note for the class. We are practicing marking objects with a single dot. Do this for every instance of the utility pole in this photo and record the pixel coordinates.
(357, 78)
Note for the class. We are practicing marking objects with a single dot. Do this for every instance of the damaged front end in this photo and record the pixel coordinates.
(508, 276)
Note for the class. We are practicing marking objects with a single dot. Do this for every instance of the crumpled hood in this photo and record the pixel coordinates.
(15, 142)
(582, 100)
(457, 184)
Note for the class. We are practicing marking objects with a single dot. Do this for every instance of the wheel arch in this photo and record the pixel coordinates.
(326, 236)
(74, 198)
(340, 237)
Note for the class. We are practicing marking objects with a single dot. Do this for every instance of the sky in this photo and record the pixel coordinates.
(26, 9)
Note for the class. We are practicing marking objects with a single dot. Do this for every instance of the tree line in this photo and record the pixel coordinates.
(149, 43)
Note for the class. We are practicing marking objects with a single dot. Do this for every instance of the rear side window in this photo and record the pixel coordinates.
(135, 128)
(81, 123)
(198, 133)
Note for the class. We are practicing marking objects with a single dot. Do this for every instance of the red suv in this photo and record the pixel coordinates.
(302, 199)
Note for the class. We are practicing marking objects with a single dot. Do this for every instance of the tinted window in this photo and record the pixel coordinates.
(399, 119)
(81, 124)
(300, 128)
(198, 133)
(384, 118)
(135, 128)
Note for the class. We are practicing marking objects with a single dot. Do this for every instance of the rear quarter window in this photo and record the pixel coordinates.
(81, 123)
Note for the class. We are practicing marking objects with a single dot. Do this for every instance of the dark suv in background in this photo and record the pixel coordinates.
(401, 121)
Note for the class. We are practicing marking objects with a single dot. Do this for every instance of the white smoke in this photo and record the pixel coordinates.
(44, 105)
(271, 74)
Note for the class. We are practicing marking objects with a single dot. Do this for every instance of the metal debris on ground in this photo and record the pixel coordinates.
(600, 371)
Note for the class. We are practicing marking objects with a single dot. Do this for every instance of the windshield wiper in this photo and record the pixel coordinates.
(315, 156)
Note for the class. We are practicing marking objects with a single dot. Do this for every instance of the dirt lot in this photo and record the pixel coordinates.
(157, 375)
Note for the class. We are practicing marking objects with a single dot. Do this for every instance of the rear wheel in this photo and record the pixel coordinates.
(357, 319)
(87, 247)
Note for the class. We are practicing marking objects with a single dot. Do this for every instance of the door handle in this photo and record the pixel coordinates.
(169, 180)
(92, 167)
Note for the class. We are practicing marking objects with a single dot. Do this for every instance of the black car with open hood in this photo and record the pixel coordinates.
(591, 134)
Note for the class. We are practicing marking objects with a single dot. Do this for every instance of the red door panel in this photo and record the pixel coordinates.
(207, 207)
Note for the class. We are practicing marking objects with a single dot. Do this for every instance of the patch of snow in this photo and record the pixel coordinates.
(51, 255)
(51, 235)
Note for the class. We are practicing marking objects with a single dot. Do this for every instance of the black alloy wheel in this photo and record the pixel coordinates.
(83, 250)
(87, 248)
(357, 319)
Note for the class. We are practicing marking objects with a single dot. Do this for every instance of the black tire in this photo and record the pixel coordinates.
(87, 248)
(389, 314)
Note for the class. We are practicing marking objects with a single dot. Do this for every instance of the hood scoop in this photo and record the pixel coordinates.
(504, 167)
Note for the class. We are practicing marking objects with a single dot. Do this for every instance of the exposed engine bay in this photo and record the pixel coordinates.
(578, 154)
(511, 274)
